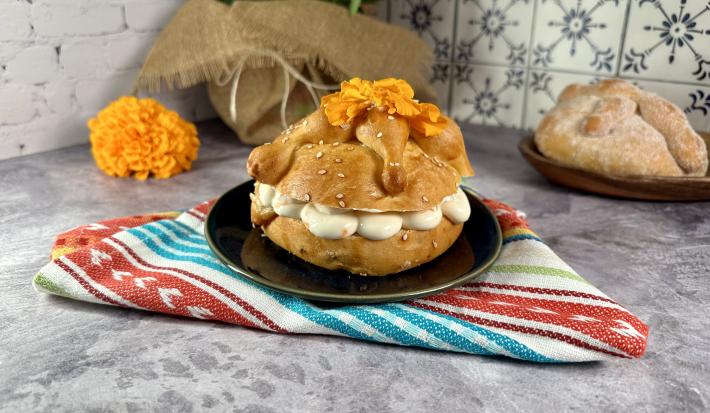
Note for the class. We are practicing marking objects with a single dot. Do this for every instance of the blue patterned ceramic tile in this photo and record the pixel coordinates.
(440, 78)
(668, 40)
(578, 35)
(493, 31)
(433, 20)
(509, 59)
(543, 88)
(488, 95)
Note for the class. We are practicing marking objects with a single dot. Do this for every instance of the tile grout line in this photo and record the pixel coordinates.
(528, 67)
(622, 44)
(532, 34)
(590, 74)
(668, 81)
(454, 37)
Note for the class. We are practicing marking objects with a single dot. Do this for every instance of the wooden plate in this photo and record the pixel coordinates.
(652, 188)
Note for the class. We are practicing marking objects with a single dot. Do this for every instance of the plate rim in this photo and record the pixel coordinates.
(356, 299)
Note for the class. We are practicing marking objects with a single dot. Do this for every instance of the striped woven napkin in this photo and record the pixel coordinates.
(529, 305)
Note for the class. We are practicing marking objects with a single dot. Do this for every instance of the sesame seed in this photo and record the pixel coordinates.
(391, 163)
(342, 204)
(396, 164)
(288, 132)
(425, 199)
(305, 123)
(322, 172)
(307, 197)
(336, 143)
(285, 139)
(340, 175)
(434, 244)
(320, 142)
(390, 117)
(339, 196)
(309, 146)
(338, 160)
(350, 148)
(267, 143)
(415, 100)
(319, 155)
(405, 236)
(379, 134)
(344, 126)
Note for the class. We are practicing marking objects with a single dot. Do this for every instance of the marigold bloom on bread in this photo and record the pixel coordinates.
(396, 96)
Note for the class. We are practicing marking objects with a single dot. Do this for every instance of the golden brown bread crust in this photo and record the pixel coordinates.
(356, 177)
(260, 215)
(388, 139)
(373, 164)
(614, 127)
(359, 255)
(447, 147)
(257, 257)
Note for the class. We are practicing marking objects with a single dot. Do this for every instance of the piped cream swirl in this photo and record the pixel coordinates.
(337, 223)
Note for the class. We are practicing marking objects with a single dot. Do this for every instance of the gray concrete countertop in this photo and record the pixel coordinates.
(61, 355)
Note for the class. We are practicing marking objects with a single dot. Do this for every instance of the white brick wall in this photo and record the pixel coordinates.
(63, 60)
(32, 65)
(16, 105)
(15, 21)
(150, 15)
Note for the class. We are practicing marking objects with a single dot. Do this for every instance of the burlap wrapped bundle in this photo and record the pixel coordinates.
(208, 41)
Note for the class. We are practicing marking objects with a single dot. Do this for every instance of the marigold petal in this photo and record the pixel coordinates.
(393, 95)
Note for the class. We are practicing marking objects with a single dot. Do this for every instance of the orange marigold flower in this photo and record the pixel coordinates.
(395, 95)
(140, 137)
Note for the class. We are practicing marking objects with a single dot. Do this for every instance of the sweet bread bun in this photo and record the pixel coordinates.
(370, 156)
(613, 127)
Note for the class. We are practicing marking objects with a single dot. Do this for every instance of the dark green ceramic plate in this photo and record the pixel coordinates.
(243, 249)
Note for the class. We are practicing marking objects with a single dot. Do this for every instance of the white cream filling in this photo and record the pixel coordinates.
(283, 205)
(378, 226)
(337, 223)
(422, 220)
(327, 225)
